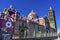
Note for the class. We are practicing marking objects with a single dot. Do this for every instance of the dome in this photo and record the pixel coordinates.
(32, 15)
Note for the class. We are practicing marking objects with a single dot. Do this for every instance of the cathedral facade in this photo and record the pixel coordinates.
(11, 22)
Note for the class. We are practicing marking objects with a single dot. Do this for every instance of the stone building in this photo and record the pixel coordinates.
(12, 22)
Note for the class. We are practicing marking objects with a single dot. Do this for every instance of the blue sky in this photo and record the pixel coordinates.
(41, 7)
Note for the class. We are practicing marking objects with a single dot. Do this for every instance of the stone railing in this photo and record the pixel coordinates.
(40, 35)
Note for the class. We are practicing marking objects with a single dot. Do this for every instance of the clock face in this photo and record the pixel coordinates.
(8, 24)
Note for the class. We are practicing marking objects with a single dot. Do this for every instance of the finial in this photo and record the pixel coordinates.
(5, 9)
(50, 8)
(32, 10)
(11, 6)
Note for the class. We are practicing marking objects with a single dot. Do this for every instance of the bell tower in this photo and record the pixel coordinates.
(52, 20)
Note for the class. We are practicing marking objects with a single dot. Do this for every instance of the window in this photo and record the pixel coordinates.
(50, 13)
(21, 23)
(31, 27)
(51, 19)
(25, 24)
(36, 27)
